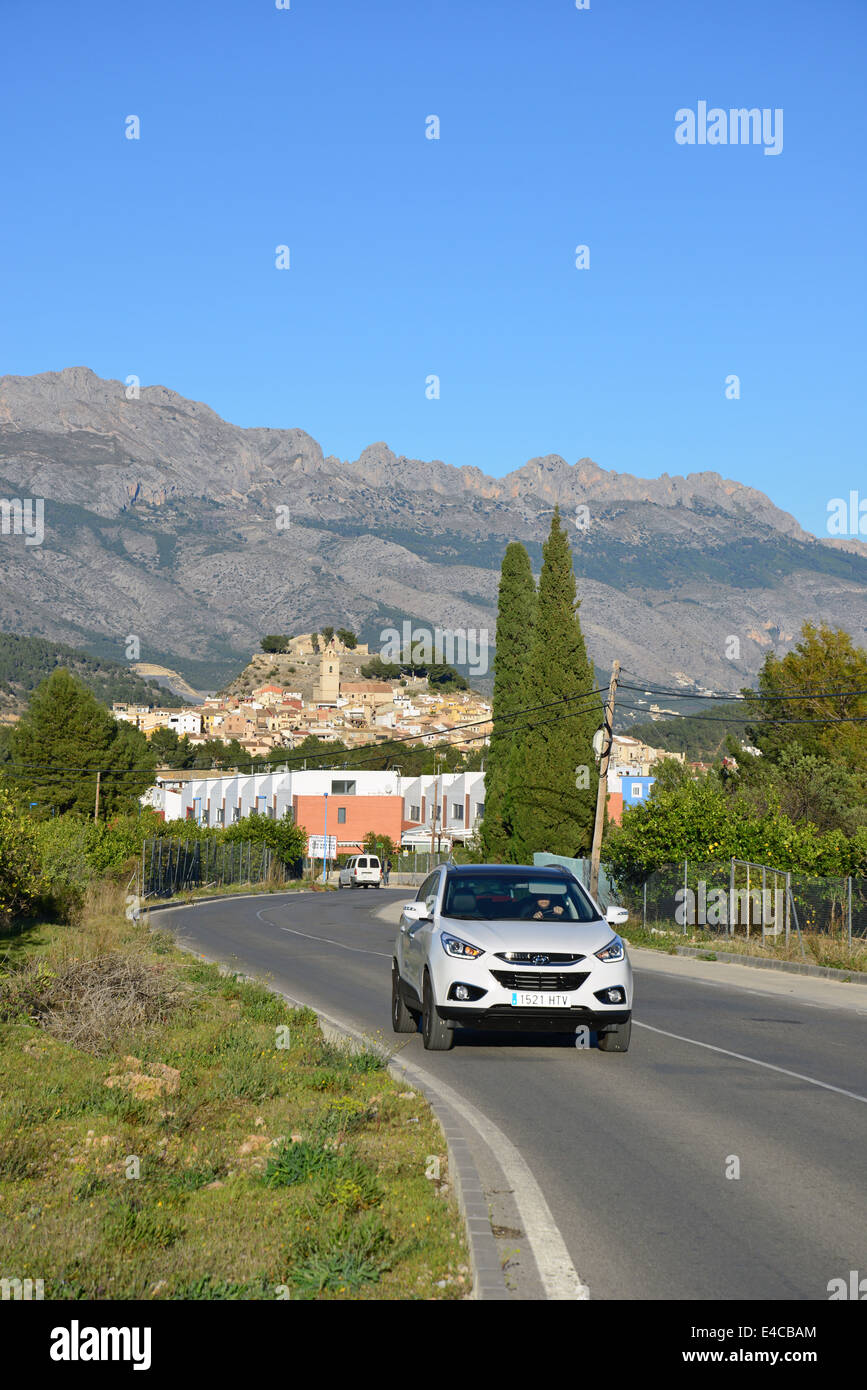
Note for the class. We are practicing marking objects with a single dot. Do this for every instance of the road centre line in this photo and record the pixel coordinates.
(386, 955)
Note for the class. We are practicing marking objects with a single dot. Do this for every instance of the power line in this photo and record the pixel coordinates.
(308, 757)
(748, 697)
(766, 719)
(56, 777)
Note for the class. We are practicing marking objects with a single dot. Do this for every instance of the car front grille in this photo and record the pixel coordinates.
(530, 957)
(539, 980)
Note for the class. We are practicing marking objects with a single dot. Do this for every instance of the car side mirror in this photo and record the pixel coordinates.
(616, 916)
(416, 912)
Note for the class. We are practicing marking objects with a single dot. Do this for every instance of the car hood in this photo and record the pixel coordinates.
(503, 935)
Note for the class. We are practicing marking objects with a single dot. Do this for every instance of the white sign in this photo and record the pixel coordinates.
(317, 844)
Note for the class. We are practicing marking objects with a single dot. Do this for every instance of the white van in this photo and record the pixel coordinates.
(362, 871)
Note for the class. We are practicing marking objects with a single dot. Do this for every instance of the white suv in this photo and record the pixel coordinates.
(362, 871)
(510, 947)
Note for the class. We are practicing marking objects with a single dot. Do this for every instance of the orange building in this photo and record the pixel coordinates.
(350, 818)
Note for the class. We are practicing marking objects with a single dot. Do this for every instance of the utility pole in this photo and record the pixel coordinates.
(602, 788)
(96, 803)
(433, 824)
(436, 806)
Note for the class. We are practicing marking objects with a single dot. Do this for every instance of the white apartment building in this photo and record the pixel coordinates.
(450, 804)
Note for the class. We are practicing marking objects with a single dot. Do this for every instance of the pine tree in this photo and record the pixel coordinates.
(554, 770)
(65, 736)
(516, 611)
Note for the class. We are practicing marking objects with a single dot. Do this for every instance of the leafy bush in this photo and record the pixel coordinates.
(700, 821)
(19, 861)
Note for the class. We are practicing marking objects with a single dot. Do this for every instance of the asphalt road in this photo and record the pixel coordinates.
(630, 1151)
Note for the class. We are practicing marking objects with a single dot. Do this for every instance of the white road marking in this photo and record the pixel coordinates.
(788, 992)
(327, 939)
(769, 1066)
(559, 1276)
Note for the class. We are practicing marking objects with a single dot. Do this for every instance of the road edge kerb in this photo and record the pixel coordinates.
(489, 1282)
(788, 967)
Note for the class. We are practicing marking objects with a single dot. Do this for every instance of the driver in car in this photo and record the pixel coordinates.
(546, 911)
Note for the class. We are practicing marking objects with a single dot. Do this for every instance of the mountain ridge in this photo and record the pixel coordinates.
(163, 521)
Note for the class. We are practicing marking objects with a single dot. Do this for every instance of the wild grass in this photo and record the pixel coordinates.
(820, 948)
(238, 1154)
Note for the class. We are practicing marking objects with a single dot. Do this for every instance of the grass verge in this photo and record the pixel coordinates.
(820, 948)
(170, 1132)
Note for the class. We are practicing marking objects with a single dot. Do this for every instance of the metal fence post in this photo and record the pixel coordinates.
(731, 911)
(685, 893)
(788, 906)
(850, 910)
(644, 908)
(764, 891)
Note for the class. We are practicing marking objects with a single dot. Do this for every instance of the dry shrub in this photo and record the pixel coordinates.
(92, 1004)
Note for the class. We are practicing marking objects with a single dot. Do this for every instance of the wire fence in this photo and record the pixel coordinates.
(173, 866)
(738, 898)
(418, 861)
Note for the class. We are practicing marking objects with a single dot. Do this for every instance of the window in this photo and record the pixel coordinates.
(514, 895)
(427, 894)
(341, 815)
(432, 891)
(480, 808)
(343, 789)
(414, 813)
(221, 815)
(457, 811)
(236, 814)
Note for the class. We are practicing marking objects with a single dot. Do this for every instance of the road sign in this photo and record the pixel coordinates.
(316, 845)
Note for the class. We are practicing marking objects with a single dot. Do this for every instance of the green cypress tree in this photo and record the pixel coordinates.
(516, 612)
(554, 770)
(65, 736)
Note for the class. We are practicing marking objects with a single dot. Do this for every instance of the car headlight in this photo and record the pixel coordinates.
(614, 951)
(453, 946)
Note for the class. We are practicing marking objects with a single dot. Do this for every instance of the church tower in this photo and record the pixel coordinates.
(327, 688)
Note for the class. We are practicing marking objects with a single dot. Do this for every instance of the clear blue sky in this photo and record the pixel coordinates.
(410, 256)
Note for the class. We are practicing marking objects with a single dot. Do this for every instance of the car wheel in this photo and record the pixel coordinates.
(438, 1037)
(616, 1039)
(403, 1020)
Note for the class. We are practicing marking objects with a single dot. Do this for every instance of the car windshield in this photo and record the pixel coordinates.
(516, 897)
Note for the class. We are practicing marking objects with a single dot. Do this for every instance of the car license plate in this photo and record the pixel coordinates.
(536, 1000)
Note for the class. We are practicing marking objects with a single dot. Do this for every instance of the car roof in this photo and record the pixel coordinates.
(496, 870)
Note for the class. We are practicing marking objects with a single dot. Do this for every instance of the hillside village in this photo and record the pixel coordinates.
(316, 688)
